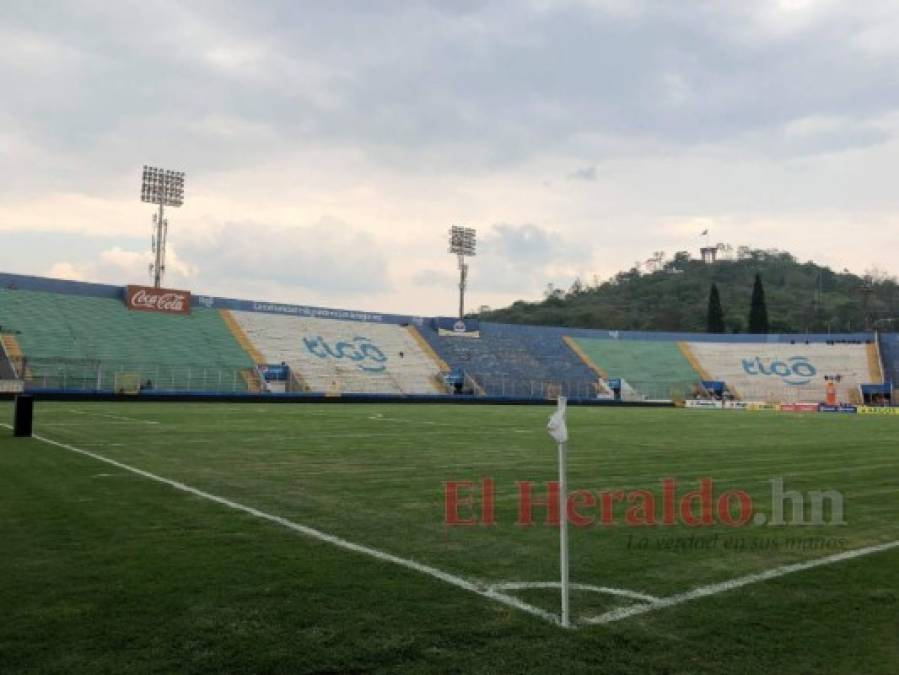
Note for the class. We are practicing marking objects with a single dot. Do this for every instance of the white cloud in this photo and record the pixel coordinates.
(328, 148)
(587, 173)
(328, 255)
(67, 270)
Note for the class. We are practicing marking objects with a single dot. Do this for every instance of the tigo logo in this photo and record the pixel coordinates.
(797, 370)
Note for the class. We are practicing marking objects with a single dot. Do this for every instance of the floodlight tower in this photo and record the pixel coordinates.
(462, 242)
(162, 187)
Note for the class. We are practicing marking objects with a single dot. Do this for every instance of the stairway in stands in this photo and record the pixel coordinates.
(10, 358)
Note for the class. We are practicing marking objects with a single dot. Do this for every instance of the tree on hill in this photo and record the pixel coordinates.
(758, 310)
(673, 295)
(715, 315)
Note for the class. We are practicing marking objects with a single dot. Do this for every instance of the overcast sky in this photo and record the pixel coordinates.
(329, 145)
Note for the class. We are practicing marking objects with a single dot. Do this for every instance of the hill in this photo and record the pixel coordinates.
(673, 296)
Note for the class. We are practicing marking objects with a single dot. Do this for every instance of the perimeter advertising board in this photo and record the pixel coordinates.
(877, 410)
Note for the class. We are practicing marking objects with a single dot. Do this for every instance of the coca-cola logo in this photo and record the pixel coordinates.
(158, 300)
(166, 302)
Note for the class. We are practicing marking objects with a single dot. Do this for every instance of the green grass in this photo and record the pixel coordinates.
(102, 570)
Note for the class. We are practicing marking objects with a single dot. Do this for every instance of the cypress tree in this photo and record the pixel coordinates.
(715, 316)
(758, 310)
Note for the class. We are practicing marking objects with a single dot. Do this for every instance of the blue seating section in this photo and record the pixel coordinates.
(510, 360)
(889, 353)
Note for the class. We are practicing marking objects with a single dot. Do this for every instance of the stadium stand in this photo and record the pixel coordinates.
(519, 361)
(79, 342)
(7, 365)
(74, 335)
(10, 357)
(889, 352)
(790, 373)
(334, 356)
(649, 369)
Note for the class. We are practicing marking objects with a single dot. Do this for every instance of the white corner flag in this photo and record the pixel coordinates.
(558, 429)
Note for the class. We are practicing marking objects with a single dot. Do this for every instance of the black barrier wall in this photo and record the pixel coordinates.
(24, 415)
(322, 398)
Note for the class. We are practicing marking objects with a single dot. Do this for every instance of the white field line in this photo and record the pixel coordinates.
(739, 582)
(526, 585)
(452, 579)
(119, 424)
(112, 417)
(649, 604)
(379, 417)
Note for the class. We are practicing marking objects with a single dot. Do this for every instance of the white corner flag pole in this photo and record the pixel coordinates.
(563, 530)
(559, 431)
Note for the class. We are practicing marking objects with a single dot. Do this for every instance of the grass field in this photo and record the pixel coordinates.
(106, 570)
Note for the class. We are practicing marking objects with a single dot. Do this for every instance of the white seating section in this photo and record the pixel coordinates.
(787, 373)
(336, 356)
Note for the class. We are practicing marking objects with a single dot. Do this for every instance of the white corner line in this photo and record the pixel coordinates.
(648, 603)
(530, 585)
(452, 579)
(739, 582)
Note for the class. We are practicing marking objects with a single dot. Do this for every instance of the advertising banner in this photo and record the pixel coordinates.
(458, 328)
(877, 410)
(839, 408)
(799, 407)
(761, 405)
(704, 403)
(275, 373)
(149, 299)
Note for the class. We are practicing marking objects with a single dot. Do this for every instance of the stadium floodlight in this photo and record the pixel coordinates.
(162, 187)
(462, 242)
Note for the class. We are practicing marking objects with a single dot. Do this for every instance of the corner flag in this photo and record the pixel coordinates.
(556, 426)
(558, 429)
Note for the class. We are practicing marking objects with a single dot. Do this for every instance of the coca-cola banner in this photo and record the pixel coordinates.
(149, 299)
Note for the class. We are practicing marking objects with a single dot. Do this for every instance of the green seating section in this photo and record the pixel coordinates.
(655, 369)
(78, 342)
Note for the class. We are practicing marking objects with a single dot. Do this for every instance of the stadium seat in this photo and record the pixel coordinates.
(649, 369)
(889, 351)
(79, 336)
(517, 361)
(790, 373)
(88, 343)
(335, 356)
